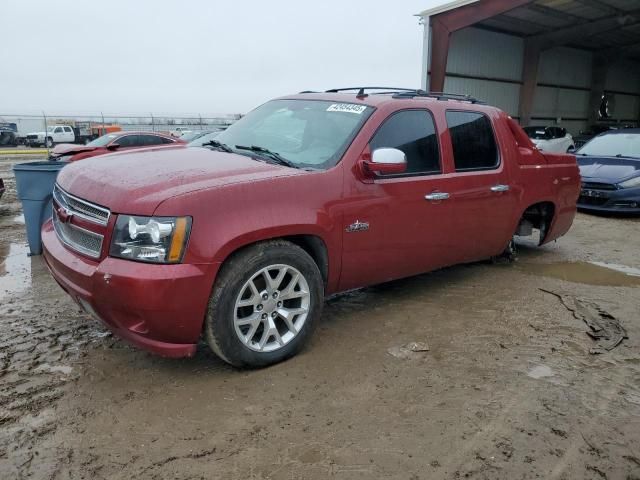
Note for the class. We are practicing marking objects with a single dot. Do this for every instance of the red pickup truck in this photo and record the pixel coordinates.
(239, 242)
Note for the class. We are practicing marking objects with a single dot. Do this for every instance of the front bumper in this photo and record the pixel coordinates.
(623, 200)
(160, 308)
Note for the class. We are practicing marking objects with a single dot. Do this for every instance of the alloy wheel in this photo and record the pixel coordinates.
(271, 308)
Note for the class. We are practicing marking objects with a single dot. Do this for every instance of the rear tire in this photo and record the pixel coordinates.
(254, 322)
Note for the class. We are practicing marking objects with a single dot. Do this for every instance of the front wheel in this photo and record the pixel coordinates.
(49, 142)
(264, 305)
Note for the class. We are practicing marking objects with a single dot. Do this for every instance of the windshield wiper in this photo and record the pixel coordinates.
(218, 146)
(268, 153)
(619, 155)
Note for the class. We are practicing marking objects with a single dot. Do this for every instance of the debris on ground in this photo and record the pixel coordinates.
(603, 327)
(410, 350)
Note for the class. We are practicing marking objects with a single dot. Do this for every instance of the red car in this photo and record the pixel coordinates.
(112, 142)
(307, 195)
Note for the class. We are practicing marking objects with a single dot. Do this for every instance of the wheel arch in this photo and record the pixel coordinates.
(312, 242)
(540, 215)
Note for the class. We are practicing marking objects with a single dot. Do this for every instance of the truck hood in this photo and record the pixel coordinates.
(137, 182)
(65, 148)
(608, 169)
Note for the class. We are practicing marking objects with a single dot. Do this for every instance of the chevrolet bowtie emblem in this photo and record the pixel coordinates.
(357, 226)
(64, 215)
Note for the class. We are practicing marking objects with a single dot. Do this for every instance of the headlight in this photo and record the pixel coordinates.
(150, 239)
(632, 182)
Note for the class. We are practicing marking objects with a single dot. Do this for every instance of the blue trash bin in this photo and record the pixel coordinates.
(34, 183)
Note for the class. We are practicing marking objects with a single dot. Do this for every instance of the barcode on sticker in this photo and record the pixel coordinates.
(347, 108)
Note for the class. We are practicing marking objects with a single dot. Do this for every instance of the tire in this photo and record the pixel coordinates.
(48, 143)
(236, 344)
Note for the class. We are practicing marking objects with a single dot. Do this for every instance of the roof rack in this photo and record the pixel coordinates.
(439, 96)
(399, 92)
(362, 90)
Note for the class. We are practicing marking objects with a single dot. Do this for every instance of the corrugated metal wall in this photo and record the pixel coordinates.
(478, 57)
(624, 77)
(485, 54)
(488, 65)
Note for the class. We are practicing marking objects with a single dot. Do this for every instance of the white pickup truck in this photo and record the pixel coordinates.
(54, 134)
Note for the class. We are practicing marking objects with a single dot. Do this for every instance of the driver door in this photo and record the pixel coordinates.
(390, 228)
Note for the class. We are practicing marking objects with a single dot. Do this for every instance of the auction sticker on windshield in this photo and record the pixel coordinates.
(347, 108)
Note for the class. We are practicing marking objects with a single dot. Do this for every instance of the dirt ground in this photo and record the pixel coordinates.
(507, 390)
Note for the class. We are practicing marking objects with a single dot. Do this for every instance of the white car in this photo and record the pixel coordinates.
(180, 131)
(551, 139)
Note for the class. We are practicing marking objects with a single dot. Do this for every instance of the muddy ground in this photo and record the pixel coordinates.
(507, 390)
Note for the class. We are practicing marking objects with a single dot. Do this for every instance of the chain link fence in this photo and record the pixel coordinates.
(14, 128)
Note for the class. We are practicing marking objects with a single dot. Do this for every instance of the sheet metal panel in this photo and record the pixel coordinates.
(624, 76)
(560, 102)
(625, 107)
(505, 96)
(483, 53)
(565, 66)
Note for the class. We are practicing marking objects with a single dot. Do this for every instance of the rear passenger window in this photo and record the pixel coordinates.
(151, 140)
(413, 132)
(127, 141)
(474, 146)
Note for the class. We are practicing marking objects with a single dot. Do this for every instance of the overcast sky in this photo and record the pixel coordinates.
(198, 56)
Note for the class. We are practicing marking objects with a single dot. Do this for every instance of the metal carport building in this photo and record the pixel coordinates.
(542, 61)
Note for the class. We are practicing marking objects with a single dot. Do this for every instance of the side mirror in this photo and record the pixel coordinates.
(113, 146)
(571, 149)
(386, 161)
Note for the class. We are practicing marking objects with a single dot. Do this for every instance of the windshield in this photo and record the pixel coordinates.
(307, 133)
(103, 140)
(50, 129)
(201, 140)
(191, 136)
(613, 145)
(537, 133)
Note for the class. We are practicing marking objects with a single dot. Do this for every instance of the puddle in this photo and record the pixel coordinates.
(590, 273)
(540, 371)
(634, 272)
(15, 269)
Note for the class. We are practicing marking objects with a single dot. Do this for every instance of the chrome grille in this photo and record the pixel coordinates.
(81, 208)
(79, 239)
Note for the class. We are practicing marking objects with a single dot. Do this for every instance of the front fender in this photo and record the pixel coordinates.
(228, 218)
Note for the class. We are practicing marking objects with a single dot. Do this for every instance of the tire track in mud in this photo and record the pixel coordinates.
(42, 336)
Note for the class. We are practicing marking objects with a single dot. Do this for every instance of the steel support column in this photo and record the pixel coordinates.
(440, 36)
(530, 63)
(426, 52)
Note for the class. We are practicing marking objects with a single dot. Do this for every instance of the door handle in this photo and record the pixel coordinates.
(436, 196)
(500, 188)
